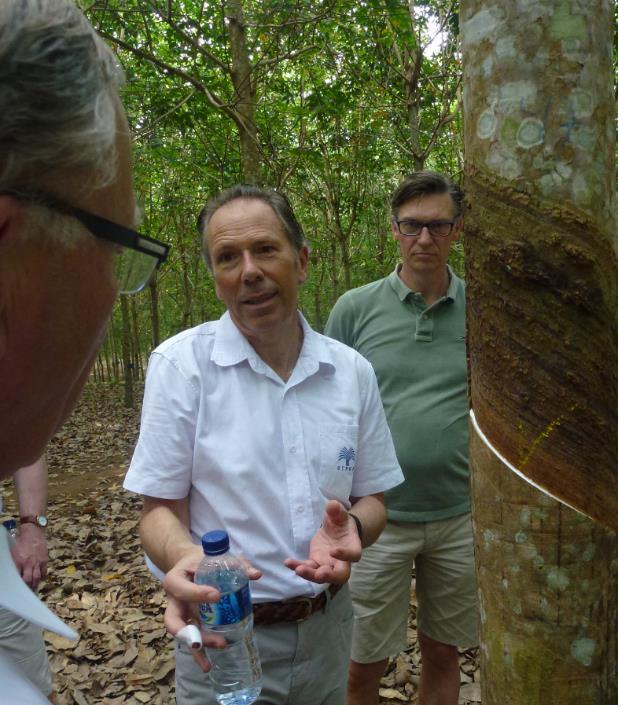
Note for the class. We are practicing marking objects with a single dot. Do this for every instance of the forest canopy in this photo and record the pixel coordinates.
(331, 101)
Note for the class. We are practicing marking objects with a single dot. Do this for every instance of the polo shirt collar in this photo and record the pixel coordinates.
(404, 291)
(231, 348)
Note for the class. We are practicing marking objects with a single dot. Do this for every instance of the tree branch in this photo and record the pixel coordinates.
(213, 99)
(191, 40)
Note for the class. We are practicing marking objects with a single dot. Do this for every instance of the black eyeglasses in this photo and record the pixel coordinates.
(140, 255)
(413, 228)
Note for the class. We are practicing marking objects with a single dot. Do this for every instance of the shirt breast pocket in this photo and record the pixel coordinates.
(338, 449)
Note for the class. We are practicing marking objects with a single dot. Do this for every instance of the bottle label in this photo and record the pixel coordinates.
(230, 609)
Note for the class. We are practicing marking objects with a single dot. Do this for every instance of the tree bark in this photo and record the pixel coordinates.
(245, 88)
(542, 272)
(548, 594)
(542, 282)
(154, 312)
(126, 353)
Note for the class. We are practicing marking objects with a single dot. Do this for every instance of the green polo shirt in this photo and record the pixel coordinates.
(419, 357)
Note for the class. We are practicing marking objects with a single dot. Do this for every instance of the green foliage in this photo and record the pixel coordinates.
(349, 96)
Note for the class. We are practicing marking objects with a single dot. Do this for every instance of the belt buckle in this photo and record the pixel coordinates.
(308, 601)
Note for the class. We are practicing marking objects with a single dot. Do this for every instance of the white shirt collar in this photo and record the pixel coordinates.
(231, 347)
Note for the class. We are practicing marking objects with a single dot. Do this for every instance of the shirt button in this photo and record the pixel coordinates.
(293, 449)
(300, 509)
(424, 316)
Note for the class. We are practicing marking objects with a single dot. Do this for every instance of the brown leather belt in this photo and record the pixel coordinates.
(296, 609)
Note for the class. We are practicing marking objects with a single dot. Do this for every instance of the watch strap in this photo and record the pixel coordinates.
(37, 519)
(359, 525)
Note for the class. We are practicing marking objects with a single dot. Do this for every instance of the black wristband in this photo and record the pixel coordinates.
(359, 525)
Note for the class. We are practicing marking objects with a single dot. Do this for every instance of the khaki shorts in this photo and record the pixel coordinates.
(22, 643)
(443, 554)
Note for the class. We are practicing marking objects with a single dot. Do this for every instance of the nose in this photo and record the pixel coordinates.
(250, 270)
(425, 236)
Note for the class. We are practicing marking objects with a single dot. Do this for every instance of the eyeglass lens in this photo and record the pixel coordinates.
(436, 228)
(133, 270)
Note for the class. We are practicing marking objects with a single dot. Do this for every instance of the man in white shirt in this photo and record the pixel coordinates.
(66, 247)
(260, 426)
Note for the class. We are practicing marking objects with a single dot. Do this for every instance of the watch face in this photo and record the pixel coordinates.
(41, 521)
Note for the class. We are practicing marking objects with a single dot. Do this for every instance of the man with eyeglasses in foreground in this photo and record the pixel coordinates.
(66, 244)
(411, 327)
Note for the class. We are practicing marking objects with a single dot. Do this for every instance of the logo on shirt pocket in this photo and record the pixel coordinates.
(338, 451)
(346, 459)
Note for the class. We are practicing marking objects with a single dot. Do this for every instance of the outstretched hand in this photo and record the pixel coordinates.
(335, 545)
(183, 597)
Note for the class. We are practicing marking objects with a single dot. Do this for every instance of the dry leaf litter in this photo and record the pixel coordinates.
(98, 583)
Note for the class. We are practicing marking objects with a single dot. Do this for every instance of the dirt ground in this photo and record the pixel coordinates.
(98, 583)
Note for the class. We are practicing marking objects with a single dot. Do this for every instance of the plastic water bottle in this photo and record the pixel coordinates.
(236, 673)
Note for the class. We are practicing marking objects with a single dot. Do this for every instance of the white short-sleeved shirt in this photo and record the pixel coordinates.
(257, 456)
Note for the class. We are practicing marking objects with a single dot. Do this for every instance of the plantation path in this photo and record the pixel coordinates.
(98, 583)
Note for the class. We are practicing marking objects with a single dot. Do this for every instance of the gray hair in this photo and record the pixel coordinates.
(426, 183)
(276, 200)
(57, 86)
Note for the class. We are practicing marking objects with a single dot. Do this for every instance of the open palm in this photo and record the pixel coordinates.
(332, 549)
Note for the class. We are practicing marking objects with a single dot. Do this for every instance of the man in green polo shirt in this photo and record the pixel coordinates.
(411, 327)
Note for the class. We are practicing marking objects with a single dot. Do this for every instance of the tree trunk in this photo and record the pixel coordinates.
(135, 342)
(127, 364)
(154, 312)
(548, 580)
(244, 86)
(542, 278)
(413, 60)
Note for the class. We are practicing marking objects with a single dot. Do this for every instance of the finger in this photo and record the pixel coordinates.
(336, 512)
(346, 554)
(324, 574)
(36, 577)
(191, 636)
(321, 575)
(200, 658)
(183, 589)
(340, 574)
(252, 573)
(213, 641)
(293, 563)
(26, 574)
(306, 573)
(178, 614)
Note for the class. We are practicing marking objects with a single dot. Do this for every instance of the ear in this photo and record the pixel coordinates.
(457, 228)
(302, 261)
(394, 228)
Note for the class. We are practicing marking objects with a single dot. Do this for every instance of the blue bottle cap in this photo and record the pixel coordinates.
(9, 524)
(215, 543)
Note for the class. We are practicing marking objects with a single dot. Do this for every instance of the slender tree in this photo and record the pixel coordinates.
(542, 280)
(127, 363)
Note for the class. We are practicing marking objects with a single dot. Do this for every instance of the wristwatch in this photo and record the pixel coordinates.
(359, 525)
(38, 519)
